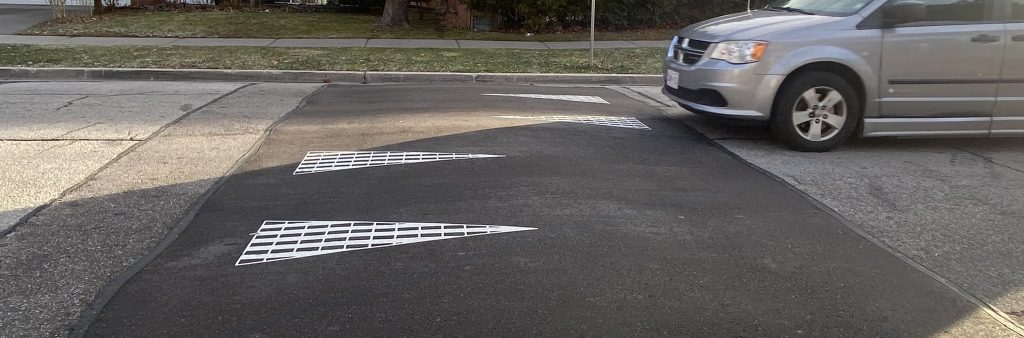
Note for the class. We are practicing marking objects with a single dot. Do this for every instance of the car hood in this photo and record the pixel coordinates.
(751, 25)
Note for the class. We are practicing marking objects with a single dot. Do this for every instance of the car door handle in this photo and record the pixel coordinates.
(1018, 38)
(985, 38)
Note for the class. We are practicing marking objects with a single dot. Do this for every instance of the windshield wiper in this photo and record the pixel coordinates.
(789, 9)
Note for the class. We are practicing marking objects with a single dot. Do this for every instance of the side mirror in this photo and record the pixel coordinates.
(901, 12)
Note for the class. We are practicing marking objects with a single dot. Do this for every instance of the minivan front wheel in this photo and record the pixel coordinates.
(816, 112)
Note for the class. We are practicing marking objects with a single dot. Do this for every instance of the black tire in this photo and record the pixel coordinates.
(790, 100)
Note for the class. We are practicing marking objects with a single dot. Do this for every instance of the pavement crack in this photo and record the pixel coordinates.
(71, 103)
(989, 159)
(69, 143)
(61, 136)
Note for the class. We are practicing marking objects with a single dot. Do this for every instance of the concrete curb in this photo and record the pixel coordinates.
(318, 43)
(143, 74)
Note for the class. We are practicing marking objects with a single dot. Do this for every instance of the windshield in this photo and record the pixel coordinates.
(822, 7)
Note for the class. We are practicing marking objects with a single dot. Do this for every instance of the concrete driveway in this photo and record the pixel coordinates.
(15, 18)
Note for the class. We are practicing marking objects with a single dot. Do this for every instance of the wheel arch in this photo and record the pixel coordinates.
(836, 68)
(839, 69)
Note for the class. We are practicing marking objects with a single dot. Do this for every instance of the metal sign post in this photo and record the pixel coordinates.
(593, 11)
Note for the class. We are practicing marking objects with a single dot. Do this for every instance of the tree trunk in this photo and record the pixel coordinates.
(395, 13)
(97, 7)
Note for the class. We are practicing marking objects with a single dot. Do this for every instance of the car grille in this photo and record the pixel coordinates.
(689, 51)
(707, 97)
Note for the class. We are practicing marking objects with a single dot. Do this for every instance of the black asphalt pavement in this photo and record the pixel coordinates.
(638, 233)
(15, 18)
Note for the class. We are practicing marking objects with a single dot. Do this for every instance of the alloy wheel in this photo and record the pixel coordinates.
(819, 114)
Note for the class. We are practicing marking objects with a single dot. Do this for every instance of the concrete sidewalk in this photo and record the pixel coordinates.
(370, 43)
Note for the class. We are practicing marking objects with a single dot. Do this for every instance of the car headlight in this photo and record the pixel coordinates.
(739, 52)
(672, 46)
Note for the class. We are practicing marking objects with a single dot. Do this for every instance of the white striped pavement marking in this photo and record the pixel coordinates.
(280, 240)
(607, 121)
(323, 161)
(572, 98)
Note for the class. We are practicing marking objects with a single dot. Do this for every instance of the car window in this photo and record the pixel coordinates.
(823, 7)
(1012, 10)
(938, 12)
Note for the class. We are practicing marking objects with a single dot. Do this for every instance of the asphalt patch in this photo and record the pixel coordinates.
(638, 233)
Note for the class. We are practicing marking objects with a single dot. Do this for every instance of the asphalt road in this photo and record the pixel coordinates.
(15, 18)
(637, 232)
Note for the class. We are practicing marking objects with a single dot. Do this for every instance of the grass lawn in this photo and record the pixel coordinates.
(608, 61)
(276, 24)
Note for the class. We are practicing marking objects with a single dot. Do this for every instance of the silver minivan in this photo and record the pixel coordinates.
(823, 71)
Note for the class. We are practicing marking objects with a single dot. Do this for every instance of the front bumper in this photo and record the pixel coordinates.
(744, 94)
